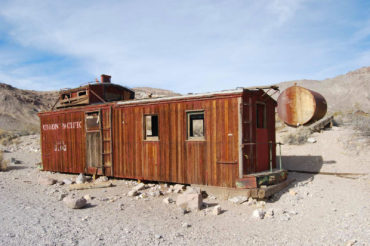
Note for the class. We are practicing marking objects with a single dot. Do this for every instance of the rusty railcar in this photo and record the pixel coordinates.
(208, 139)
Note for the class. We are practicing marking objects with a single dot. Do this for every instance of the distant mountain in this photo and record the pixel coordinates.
(348, 92)
(344, 93)
(145, 92)
(19, 108)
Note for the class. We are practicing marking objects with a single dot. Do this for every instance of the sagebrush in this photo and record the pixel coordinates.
(3, 163)
(298, 137)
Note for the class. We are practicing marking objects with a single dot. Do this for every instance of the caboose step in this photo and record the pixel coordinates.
(256, 180)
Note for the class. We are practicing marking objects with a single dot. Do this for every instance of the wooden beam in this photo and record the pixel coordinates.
(262, 193)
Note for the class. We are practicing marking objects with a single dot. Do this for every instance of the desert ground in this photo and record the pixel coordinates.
(315, 209)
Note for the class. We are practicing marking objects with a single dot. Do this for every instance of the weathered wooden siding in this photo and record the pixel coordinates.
(63, 142)
(249, 128)
(173, 158)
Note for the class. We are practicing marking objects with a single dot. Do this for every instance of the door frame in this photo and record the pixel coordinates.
(100, 169)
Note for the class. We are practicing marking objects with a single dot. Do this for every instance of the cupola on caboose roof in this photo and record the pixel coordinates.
(94, 93)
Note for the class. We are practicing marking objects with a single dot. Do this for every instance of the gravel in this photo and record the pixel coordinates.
(325, 209)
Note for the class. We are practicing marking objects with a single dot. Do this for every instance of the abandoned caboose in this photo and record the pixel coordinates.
(216, 139)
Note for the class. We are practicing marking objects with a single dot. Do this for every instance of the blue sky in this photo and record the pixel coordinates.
(185, 46)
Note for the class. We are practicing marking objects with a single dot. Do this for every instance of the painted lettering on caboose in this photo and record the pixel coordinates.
(63, 126)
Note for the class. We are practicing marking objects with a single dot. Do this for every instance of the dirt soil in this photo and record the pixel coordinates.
(314, 210)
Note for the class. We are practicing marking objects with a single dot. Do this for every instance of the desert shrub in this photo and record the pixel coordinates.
(11, 137)
(361, 123)
(300, 136)
(3, 163)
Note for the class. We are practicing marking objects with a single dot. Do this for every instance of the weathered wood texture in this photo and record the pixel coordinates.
(252, 142)
(125, 153)
(63, 142)
(174, 158)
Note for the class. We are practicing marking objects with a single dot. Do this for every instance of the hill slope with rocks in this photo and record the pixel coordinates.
(19, 108)
(344, 93)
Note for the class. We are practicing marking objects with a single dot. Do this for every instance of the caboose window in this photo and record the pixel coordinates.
(92, 121)
(151, 127)
(261, 115)
(195, 125)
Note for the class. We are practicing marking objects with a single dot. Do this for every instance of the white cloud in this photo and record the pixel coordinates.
(180, 45)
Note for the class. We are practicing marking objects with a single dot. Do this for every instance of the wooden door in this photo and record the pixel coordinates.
(262, 144)
(93, 143)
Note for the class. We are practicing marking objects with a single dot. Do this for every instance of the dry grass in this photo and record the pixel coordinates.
(12, 137)
(3, 163)
(360, 121)
(298, 137)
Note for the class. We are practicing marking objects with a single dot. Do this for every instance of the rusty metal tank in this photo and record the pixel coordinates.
(301, 106)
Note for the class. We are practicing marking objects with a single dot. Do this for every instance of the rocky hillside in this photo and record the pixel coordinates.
(344, 93)
(144, 92)
(348, 92)
(19, 108)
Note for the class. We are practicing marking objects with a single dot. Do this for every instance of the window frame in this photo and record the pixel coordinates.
(188, 113)
(264, 115)
(92, 114)
(145, 136)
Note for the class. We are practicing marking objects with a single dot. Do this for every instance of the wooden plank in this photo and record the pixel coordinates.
(262, 193)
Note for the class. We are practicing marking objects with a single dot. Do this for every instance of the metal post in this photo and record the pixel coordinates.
(270, 144)
(280, 163)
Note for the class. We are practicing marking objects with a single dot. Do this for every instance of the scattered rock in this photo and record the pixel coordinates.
(251, 201)
(168, 200)
(75, 203)
(351, 242)
(194, 190)
(85, 218)
(138, 187)
(261, 204)
(238, 199)
(292, 192)
(285, 217)
(81, 179)
(155, 193)
(121, 206)
(157, 236)
(102, 179)
(61, 196)
(15, 161)
(311, 140)
(46, 181)
(88, 197)
(270, 213)
(178, 188)
(143, 195)
(190, 201)
(258, 214)
(186, 225)
(67, 181)
(216, 210)
(132, 193)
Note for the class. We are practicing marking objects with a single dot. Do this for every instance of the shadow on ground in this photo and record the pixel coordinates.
(295, 163)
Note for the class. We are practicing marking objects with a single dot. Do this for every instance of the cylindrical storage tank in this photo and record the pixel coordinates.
(300, 106)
